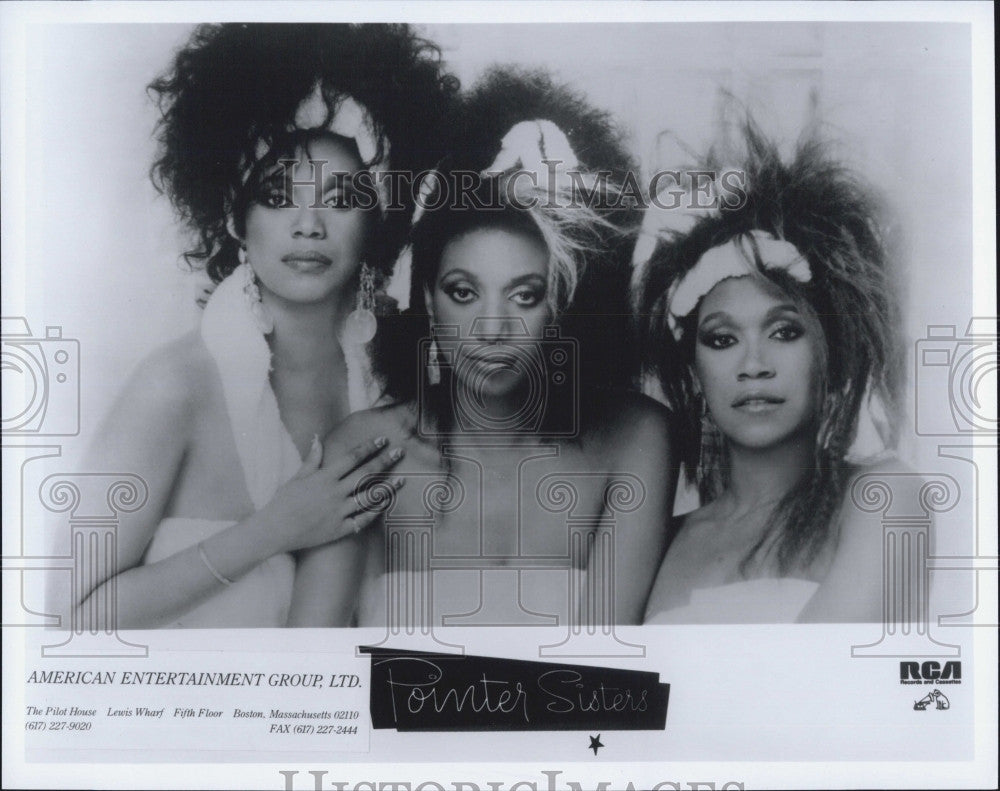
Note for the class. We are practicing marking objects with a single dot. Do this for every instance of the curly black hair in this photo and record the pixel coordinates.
(840, 227)
(599, 313)
(232, 85)
(597, 246)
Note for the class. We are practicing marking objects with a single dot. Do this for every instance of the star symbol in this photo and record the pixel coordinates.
(595, 743)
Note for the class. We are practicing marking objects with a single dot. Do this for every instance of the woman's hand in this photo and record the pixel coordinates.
(326, 501)
(328, 577)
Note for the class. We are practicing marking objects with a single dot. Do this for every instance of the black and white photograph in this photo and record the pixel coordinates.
(480, 396)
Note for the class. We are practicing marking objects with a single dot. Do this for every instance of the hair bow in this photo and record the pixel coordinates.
(538, 147)
(746, 254)
(530, 145)
(351, 120)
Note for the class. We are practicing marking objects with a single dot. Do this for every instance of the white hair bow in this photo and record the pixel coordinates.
(659, 223)
(539, 147)
(529, 145)
(734, 259)
(351, 120)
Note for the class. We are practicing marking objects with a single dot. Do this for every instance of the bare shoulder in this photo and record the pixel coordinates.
(694, 528)
(171, 382)
(887, 487)
(852, 587)
(180, 369)
(890, 483)
(892, 465)
(158, 407)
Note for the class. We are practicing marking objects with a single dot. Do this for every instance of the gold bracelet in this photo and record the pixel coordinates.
(208, 564)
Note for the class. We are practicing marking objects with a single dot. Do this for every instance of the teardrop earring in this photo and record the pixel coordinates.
(361, 324)
(251, 291)
(433, 366)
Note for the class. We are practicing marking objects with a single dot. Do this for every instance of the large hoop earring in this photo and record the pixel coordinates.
(361, 324)
(251, 291)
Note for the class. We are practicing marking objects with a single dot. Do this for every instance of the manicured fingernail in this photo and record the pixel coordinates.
(397, 453)
(380, 442)
(315, 442)
(398, 482)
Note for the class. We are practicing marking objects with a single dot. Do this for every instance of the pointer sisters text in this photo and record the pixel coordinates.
(427, 690)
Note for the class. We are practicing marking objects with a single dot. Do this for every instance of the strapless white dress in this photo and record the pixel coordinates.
(749, 601)
(491, 596)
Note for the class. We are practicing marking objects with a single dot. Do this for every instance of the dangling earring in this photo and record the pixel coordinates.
(704, 443)
(262, 317)
(824, 432)
(361, 324)
(433, 366)
(241, 254)
(710, 454)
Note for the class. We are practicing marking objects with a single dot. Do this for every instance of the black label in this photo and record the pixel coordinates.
(415, 691)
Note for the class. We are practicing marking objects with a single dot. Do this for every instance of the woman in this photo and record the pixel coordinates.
(272, 140)
(771, 324)
(519, 462)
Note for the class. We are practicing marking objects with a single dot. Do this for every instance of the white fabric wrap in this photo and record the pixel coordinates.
(531, 145)
(243, 358)
(734, 259)
(352, 120)
(541, 149)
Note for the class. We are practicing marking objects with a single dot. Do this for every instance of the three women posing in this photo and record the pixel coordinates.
(770, 327)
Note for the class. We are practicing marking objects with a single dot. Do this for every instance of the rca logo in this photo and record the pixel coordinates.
(930, 673)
